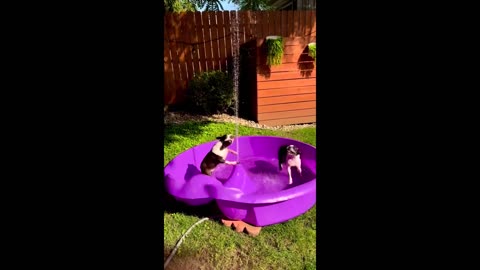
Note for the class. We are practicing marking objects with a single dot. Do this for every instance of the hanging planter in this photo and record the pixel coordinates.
(312, 50)
(274, 50)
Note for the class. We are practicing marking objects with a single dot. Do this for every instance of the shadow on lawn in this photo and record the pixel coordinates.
(209, 210)
(175, 132)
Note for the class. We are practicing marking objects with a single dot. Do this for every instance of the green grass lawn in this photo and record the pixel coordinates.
(211, 245)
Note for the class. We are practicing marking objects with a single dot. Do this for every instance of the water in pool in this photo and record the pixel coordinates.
(263, 175)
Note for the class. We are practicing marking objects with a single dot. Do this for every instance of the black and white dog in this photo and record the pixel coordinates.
(289, 155)
(218, 155)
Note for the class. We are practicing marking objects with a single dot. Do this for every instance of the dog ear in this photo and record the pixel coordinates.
(222, 138)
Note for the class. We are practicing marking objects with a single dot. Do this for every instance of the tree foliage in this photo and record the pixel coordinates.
(254, 5)
(213, 5)
(179, 5)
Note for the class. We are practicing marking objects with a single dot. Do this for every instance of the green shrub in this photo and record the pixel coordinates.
(312, 51)
(274, 51)
(210, 92)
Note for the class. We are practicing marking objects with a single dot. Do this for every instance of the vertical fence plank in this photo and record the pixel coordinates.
(244, 26)
(284, 23)
(215, 49)
(168, 90)
(201, 41)
(259, 24)
(208, 40)
(301, 23)
(173, 45)
(195, 48)
(291, 24)
(265, 30)
(296, 23)
(308, 22)
(278, 23)
(222, 41)
(236, 36)
(249, 20)
(179, 34)
(314, 26)
(228, 37)
(188, 38)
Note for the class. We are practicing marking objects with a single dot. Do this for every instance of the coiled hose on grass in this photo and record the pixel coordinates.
(180, 242)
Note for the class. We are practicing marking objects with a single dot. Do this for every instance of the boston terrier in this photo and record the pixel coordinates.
(218, 154)
(289, 155)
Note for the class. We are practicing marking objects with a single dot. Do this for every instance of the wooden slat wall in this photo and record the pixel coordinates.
(288, 94)
(202, 41)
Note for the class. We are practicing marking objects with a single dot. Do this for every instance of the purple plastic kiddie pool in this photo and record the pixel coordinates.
(254, 191)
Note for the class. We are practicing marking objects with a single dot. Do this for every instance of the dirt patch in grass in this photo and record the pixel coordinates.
(187, 260)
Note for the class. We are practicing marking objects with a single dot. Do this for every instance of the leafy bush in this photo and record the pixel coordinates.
(210, 92)
(274, 51)
(312, 51)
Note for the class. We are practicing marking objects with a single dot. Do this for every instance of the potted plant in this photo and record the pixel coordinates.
(312, 51)
(274, 50)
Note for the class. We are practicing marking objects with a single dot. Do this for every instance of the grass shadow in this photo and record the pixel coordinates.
(187, 130)
(209, 210)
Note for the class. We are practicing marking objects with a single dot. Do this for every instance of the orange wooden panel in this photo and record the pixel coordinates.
(281, 107)
(286, 99)
(287, 67)
(286, 83)
(288, 75)
(287, 114)
(295, 41)
(290, 58)
(289, 121)
(297, 49)
(287, 91)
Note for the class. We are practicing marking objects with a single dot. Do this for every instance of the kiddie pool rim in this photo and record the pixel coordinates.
(279, 196)
(235, 138)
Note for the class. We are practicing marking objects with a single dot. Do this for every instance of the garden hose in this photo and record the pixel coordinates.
(180, 242)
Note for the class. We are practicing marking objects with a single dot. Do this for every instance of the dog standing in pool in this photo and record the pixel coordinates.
(218, 155)
(289, 155)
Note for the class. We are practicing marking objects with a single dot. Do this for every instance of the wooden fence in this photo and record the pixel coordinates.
(195, 42)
